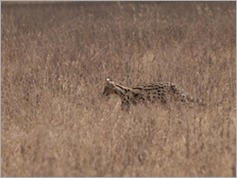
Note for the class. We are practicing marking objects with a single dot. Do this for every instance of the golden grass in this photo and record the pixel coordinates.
(55, 58)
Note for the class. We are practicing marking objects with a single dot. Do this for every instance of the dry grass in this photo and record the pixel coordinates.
(55, 58)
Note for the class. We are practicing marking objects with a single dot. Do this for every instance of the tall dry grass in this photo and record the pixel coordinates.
(55, 58)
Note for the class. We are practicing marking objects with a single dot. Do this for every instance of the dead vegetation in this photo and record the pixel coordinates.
(55, 58)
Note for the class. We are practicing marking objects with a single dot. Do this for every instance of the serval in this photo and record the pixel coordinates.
(147, 93)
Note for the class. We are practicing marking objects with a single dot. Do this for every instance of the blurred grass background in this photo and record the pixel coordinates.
(56, 57)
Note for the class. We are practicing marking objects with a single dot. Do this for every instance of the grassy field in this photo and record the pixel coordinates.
(56, 57)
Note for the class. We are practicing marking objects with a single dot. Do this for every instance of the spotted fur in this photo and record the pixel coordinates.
(147, 93)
